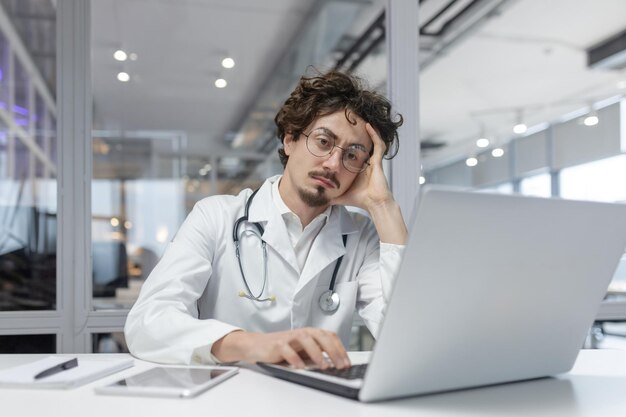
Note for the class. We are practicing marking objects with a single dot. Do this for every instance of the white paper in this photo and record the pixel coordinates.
(87, 370)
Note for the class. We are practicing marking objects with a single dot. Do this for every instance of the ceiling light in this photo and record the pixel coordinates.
(123, 76)
(482, 142)
(228, 62)
(591, 120)
(115, 221)
(120, 55)
(220, 83)
(497, 152)
(471, 161)
(520, 128)
(422, 180)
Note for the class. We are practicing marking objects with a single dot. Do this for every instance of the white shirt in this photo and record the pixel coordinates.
(301, 239)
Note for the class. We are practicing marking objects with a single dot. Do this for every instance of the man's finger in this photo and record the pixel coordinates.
(331, 344)
(291, 356)
(312, 349)
(379, 144)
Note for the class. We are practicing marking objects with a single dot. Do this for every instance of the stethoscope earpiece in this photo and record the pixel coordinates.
(243, 294)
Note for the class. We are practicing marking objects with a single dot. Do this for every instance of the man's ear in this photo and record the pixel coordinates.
(288, 143)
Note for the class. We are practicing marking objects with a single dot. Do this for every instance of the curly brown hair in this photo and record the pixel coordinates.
(324, 94)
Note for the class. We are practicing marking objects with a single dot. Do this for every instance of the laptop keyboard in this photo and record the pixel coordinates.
(353, 372)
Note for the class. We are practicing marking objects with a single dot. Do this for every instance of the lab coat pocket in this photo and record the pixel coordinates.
(339, 321)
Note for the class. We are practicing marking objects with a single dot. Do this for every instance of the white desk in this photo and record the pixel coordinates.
(595, 387)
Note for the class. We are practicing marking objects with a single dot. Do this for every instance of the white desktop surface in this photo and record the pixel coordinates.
(595, 387)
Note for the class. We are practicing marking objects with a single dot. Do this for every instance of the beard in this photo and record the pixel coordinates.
(317, 198)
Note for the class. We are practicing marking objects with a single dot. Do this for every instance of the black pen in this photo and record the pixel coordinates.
(72, 363)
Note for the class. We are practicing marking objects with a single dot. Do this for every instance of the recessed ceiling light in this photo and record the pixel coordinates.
(123, 76)
(471, 161)
(497, 152)
(422, 180)
(120, 55)
(591, 120)
(228, 62)
(482, 142)
(520, 128)
(220, 83)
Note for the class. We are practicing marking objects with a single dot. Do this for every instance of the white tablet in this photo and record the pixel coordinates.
(161, 381)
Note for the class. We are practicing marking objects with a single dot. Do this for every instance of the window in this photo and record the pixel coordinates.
(537, 185)
(27, 160)
(601, 180)
(504, 188)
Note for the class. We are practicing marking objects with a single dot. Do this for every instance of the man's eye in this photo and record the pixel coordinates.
(323, 141)
(352, 156)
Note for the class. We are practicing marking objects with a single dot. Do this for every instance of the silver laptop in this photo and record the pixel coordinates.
(492, 289)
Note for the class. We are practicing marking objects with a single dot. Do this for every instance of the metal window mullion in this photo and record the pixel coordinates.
(402, 30)
(10, 102)
(28, 65)
(555, 174)
(74, 173)
(29, 322)
(106, 321)
(32, 159)
(17, 132)
(46, 142)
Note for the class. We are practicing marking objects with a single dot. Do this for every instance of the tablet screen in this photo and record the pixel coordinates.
(171, 378)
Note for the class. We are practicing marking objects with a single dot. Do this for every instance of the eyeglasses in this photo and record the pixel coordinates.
(320, 143)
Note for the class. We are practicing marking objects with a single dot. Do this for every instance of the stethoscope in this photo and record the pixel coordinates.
(328, 301)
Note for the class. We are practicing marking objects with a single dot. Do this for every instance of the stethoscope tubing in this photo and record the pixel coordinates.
(329, 300)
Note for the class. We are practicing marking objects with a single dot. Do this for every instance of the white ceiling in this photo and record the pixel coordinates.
(180, 44)
(531, 55)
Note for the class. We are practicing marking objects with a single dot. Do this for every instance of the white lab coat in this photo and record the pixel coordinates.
(190, 300)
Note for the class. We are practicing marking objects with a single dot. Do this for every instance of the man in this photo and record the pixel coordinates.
(277, 275)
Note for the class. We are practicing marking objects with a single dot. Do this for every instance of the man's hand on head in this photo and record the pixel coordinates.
(370, 188)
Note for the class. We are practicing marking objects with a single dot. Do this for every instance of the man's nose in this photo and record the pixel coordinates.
(333, 160)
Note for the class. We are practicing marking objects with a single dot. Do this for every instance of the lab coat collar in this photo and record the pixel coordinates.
(327, 247)
(262, 207)
(275, 235)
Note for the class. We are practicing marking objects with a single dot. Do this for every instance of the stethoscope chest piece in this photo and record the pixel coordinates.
(329, 301)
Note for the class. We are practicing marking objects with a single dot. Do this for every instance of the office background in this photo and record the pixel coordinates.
(117, 116)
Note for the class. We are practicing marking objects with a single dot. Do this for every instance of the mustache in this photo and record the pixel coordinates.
(328, 175)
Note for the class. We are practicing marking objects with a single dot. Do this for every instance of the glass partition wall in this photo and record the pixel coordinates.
(28, 169)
